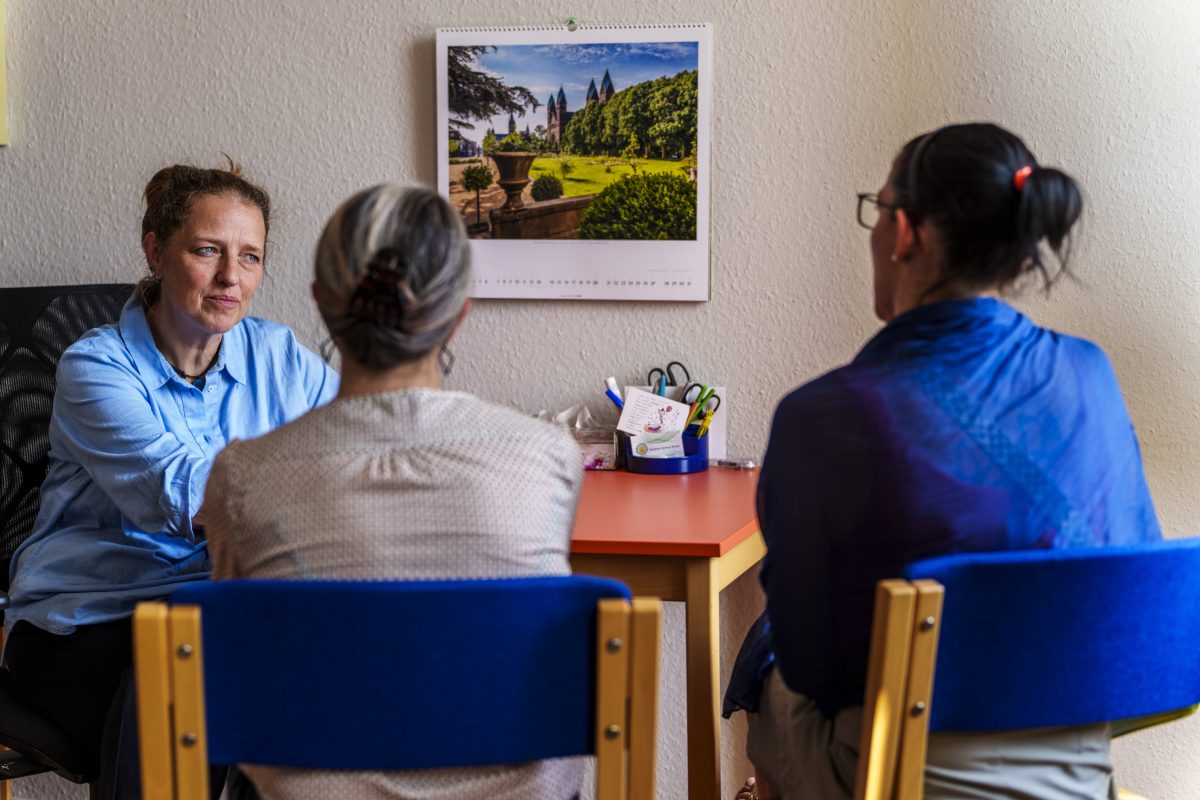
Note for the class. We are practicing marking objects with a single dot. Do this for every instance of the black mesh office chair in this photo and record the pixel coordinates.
(36, 325)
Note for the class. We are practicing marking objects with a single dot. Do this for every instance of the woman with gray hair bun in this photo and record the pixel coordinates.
(398, 478)
(392, 272)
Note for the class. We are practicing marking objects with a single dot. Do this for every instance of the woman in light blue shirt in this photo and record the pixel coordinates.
(141, 409)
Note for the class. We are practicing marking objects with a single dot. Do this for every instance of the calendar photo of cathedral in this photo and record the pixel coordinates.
(557, 115)
(562, 141)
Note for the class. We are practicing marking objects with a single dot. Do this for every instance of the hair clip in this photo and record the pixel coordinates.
(1022, 175)
(378, 296)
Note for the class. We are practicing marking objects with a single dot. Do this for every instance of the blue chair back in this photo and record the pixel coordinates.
(284, 660)
(1065, 637)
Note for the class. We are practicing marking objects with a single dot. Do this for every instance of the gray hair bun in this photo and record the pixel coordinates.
(392, 274)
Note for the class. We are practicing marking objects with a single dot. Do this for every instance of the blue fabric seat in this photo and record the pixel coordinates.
(396, 675)
(1028, 639)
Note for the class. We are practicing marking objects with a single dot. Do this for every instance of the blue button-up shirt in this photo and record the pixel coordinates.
(131, 446)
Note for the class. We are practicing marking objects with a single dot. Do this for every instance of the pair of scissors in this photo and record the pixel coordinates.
(698, 396)
(662, 378)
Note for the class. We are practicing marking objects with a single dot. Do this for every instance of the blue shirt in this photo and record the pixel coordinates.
(960, 427)
(131, 446)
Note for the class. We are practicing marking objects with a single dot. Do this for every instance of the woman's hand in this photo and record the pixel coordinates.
(748, 791)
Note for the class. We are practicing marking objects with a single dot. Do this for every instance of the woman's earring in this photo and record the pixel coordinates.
(445, 360)
(326, 349)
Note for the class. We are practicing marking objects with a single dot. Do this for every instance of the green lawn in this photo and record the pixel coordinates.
(588, 175)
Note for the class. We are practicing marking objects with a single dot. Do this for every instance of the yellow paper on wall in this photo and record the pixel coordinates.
(3, 83)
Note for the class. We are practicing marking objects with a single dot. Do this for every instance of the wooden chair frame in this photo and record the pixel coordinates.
(169, 662)
(895, 732)
(895, 727)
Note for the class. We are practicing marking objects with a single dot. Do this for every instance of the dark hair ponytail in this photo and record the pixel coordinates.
(1050, 205)
(963, 180)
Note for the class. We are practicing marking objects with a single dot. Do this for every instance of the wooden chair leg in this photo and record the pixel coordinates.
(887, 680)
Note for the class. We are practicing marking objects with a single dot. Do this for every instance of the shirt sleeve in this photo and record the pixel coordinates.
(320, 380)
(104, 417)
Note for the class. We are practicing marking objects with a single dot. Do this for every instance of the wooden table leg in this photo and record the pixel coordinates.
(703, 674)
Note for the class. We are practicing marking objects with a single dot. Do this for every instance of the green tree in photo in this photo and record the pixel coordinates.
(475, 179)
(660, 114)
(634, 119)
(658, 206)
(690, 163)
(576, 138)
(611, 138)
(630, 154)
(473, 94)
(539, 144)
(489, 143)
(672, 115)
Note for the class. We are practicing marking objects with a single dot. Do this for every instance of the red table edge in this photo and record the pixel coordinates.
(669, 549)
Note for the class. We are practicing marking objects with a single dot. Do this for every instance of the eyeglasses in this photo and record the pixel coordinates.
(869, 209)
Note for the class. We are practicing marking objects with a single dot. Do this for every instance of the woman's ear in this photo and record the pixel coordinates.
(152, 248)
(908, 238)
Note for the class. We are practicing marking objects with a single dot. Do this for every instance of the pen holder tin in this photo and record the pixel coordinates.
(695, 458)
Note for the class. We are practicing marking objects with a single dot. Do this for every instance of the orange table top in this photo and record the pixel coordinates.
(702, 514)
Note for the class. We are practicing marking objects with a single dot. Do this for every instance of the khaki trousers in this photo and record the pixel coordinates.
(808, 756)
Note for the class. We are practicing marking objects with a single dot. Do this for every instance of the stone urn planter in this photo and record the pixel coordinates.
(514, 176)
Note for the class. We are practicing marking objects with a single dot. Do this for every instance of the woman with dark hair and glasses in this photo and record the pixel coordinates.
(961, 426)
(398, 478)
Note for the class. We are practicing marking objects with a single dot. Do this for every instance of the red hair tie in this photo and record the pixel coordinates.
(1021, 176)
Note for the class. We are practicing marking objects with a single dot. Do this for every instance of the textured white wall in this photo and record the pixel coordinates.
(813, 98)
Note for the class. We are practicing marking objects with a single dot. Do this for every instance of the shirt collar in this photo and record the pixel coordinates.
(232, 355)
(153, 366)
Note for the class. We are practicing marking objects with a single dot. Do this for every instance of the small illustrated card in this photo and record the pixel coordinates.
(717, 429)
(658, 445)
(646, 413)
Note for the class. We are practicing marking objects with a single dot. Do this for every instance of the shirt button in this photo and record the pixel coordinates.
(212, 388)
